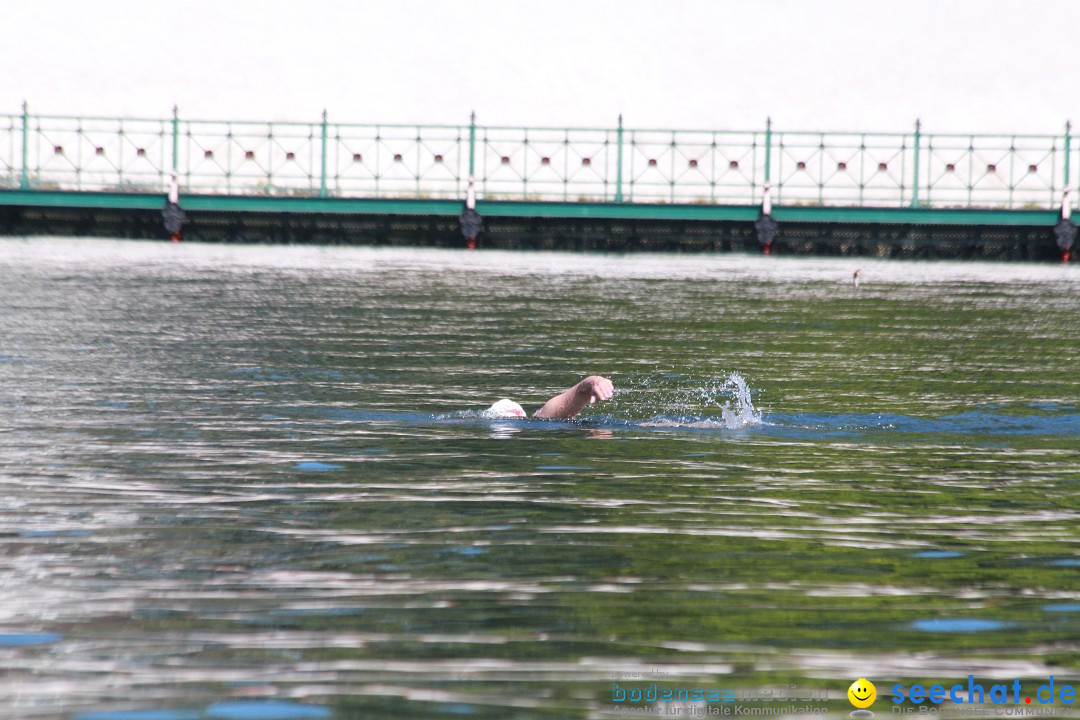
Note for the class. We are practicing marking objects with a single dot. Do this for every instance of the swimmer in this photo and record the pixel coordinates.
(563, 406)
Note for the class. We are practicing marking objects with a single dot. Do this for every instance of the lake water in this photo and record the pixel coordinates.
(253, 482)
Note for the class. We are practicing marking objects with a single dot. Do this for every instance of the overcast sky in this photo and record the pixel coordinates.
(960, 65)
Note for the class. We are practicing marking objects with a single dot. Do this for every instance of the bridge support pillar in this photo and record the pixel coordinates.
(1065, 231)
(765, 225)
(173, 215)
(470, 220)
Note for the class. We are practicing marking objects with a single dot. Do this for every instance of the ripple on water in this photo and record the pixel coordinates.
(22, 639)
(141, 715)
(957, 625)
(315, 466)
(266, 710)
(291, 495)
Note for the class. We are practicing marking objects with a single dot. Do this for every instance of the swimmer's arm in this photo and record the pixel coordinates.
(570, 402)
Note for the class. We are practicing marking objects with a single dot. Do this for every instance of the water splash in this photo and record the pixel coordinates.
(657, 400)
(697, 407)
(740, 411)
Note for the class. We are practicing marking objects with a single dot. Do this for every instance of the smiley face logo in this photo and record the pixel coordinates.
(862, 693)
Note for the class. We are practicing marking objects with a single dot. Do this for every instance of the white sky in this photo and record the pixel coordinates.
(960, 65)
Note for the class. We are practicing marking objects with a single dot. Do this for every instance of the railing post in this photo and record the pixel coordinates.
(1068, 150)
(24, 178)
(768, 150)
(322, 171)
(915, 165)
(472, 145)
(175, 138)
(618, 162)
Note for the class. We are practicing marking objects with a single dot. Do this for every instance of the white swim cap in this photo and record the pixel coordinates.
(505, 408)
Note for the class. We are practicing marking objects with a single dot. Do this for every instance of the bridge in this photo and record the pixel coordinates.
(616, 188)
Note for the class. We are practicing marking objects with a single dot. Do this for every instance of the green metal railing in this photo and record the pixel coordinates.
(615, 164)
(864, 169)
(696, 166)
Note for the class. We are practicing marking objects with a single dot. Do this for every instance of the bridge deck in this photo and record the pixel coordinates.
(526, 209)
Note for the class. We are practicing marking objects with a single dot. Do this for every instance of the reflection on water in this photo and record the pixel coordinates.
(255, 482)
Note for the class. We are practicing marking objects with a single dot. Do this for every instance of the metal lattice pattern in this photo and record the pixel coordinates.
(1006, 172)
(248, 158)
(843, 169)
(125, 155)
(679, 166)
(513, 163)
(546, 164)
(397, 161)
(10, 151)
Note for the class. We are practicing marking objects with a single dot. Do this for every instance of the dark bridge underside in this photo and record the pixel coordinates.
(1012, 235)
